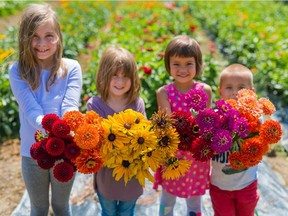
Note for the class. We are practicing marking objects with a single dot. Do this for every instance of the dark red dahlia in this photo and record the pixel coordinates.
(55, 146)
(60, 128)
(63, 171)
(183, 120)
(36, 150)
(46, 161)
(72, 151)
(202, 150)
(48, 120)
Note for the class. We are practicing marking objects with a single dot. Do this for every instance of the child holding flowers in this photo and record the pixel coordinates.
(233, 191)
(183, 61)
(118, 85)
(43, 83)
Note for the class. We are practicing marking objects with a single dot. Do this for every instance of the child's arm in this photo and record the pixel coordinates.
(208, 91)
(162, 100)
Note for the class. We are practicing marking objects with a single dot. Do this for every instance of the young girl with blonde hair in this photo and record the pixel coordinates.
(43, 82)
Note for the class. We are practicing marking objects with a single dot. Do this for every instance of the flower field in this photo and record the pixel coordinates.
(144, 28)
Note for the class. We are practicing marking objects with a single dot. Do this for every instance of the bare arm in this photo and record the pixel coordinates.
(208, 91)
(162, 100)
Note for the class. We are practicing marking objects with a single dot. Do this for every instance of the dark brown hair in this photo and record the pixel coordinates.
(184, 46)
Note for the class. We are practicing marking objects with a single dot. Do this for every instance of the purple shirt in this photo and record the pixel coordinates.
(103, 180)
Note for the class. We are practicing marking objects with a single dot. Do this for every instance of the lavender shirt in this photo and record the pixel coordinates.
(63, 96)
(103, 180)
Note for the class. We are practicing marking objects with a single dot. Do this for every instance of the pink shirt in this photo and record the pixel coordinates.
(196, 180)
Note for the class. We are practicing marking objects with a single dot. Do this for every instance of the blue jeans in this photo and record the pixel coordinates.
(116, 207)
(37, 182)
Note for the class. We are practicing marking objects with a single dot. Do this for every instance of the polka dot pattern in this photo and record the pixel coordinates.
(196, 180)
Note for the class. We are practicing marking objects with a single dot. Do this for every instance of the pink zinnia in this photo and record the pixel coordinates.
(221, 141)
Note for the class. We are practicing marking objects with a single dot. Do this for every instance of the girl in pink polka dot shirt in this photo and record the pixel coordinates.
(183, 61)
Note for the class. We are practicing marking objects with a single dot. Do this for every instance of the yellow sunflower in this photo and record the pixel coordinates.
(143, 139)
(168, 142)
(161, 120)
(143, 173)
(112, 138)
(153, 158)
(125, 169)
(175, 168)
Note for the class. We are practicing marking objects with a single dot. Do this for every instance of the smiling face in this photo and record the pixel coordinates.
(44, 44)
(233, 81)
(182, 69)
(120, 84)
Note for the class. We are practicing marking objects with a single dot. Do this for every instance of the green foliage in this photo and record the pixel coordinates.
(145, 28)
(75, 40)
(254, 34)
(10, 7)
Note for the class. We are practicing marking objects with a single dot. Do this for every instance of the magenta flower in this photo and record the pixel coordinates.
(197, 99)
(241, 127)
(207, 119)
(221, 141)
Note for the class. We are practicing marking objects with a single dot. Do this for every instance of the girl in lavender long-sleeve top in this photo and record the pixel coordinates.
(43, 82)
(118, 86)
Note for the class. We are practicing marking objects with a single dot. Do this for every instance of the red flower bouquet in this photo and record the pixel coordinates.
(71, 143)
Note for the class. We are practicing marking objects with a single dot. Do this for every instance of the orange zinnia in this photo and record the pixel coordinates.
(268, 107)
(237, 160)
(89, 161)
(271, 131)
(73, 119)
(91, 117)
(254, 147)
(87, 136)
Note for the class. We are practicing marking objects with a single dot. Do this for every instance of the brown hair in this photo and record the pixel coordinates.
(184, 46)
(29, 68)
(113, 60)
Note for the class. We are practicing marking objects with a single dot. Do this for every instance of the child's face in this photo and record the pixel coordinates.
(182, 69)
(119, 84)
(232, 83)
(44, 43)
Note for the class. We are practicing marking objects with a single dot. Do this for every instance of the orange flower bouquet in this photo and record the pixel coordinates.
(71, 143)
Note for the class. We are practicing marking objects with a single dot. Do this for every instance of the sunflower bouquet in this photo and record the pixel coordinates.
(69, 144)
(176, 132)
(128, 146)
(235, 126)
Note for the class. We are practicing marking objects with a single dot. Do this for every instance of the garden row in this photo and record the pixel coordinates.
(144, 28)
(253, 33)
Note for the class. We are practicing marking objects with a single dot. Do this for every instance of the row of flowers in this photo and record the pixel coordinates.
(248, 32)
(135, 147)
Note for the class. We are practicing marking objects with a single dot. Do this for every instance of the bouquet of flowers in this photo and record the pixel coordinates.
(69, 144)
(235, 126)
(129, 145)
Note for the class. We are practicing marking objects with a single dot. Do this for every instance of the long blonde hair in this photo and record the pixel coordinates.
(113, 60)
(29, 67)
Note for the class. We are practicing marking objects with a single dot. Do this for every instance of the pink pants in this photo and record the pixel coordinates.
(234, 203)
